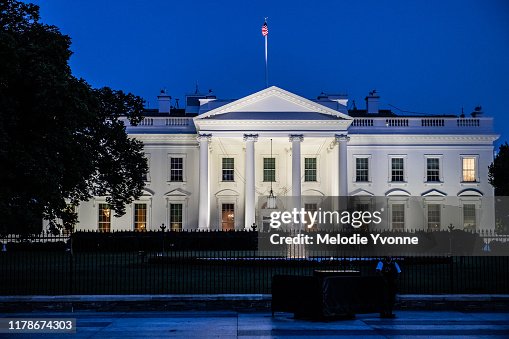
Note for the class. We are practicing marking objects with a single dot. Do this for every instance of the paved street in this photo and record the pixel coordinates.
(228, 324)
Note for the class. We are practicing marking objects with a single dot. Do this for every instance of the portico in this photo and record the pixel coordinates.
(240, 133)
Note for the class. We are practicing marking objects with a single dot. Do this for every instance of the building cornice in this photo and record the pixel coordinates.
(418, 139)
(268, 125)
(355, 139)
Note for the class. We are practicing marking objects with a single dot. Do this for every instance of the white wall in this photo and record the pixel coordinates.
(160, 191)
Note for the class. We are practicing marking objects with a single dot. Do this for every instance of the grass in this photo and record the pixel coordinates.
(183, 272)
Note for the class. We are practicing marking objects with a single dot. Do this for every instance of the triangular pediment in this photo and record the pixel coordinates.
(178, 192)
(288, 105)
(361, 193)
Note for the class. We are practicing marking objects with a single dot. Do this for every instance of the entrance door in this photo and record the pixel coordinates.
(227, 217)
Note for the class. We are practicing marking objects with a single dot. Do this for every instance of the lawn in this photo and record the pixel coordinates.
(193, 272)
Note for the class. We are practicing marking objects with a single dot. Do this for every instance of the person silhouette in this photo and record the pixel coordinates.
(389, 270)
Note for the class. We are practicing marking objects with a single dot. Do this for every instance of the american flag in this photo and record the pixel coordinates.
(265, 29)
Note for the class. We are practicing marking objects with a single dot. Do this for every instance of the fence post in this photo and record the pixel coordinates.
(162, 227)
(71, 263)
(451, 274)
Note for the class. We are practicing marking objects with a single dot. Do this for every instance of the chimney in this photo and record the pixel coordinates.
(164, 102)
(372, 101)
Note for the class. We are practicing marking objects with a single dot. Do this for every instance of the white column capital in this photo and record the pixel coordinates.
(203, 137)
(251, 137)
(341, 137)
(296, 137)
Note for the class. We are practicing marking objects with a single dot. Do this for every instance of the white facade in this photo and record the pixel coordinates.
(208, 171)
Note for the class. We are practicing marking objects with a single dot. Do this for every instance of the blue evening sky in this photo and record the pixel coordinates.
(423, 56)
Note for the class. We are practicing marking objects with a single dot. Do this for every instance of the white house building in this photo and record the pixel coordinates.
(212, 162)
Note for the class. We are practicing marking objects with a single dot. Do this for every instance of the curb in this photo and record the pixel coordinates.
(461, 302)
(235, 302)
(136, 297)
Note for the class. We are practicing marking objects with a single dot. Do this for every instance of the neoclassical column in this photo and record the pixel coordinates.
(341, 140)
(296, 139)
(204, 202)
(249, 201)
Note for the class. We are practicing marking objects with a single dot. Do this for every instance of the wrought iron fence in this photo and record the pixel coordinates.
(50, 265)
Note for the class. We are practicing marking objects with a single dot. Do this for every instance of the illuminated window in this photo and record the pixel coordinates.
(361, 169)
(104, 218)
(140, 217)
(432, 169)
(469, 174)
(397, 169)
(434, 217)
(398, 216)
(269, 169)
(309, 169)
(469, 219)
(227, 217)
(176, 169)
(175, 217)
(228, 169)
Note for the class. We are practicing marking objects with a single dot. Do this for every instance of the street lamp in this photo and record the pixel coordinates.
(271, 200)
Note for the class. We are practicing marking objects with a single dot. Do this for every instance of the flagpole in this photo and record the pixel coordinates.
(265, 33)
(266, 64)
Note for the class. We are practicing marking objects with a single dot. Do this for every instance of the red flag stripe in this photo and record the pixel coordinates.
(265, 30)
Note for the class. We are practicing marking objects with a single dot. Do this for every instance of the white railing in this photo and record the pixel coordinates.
(431, 122)
(178, 121)
(468, 122)
(442, 124)
(148, 122)
(397, 122)
(362, 122)
(422, 123)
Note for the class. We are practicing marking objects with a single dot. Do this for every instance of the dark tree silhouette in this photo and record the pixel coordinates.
(499, 171)
(61, 141)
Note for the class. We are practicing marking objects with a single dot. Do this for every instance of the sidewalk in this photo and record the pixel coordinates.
(229, 324)
(233, 302)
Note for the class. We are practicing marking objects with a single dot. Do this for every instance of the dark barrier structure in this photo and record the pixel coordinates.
(338, 294)
(210, 262)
